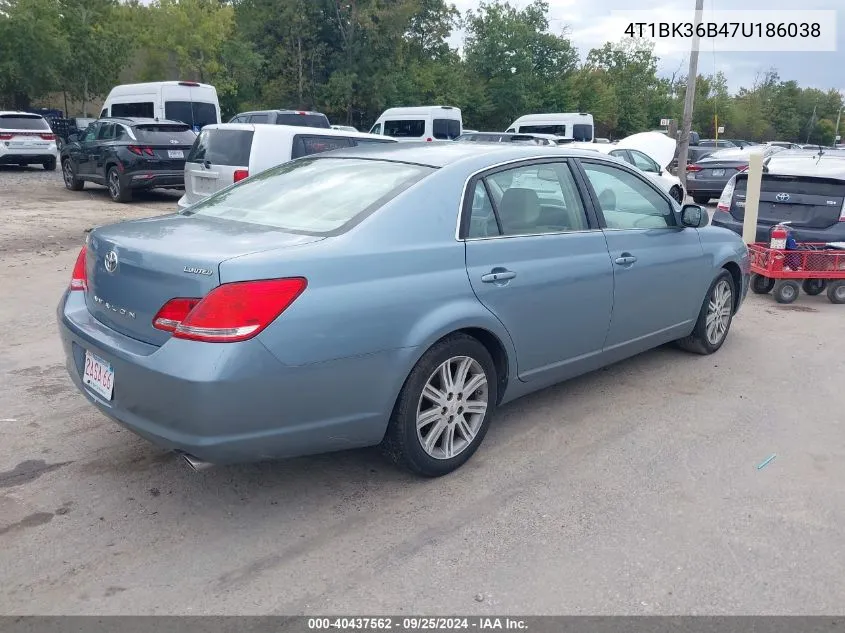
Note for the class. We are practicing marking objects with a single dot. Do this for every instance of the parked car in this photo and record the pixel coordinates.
(366, 296)
(800, 187)
(297, 118)
(784, 144)
(646, 151)
(740, 143)
(127, 155)
(230, 152)
(423, 123)
(26, 139)
(572, 126)
(707, 177)
(720, 144)
(188, 102)
(344, 128)
(505, 137)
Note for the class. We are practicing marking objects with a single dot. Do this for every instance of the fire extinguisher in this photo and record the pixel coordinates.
(778, 236)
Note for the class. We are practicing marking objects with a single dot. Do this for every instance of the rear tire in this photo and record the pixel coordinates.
(761, 285)
(71, 181)
(117, 190)
(813, 287)
(836, 291)
(50, 165)
(701, 199)
(714, 318)
(444, 409)
(786, 290)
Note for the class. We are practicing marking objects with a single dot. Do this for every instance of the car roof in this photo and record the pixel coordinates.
(140, 120)
(445, 153)
(805, 162)
(290, 130)
(280, 112)
(18, 113)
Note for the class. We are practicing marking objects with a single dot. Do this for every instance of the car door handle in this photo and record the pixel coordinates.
(626, 259)
(498, 275)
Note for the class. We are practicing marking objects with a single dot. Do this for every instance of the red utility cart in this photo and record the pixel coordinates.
(812, 267)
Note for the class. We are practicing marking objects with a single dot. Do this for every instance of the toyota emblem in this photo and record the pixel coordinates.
(110, 261)
(782, 197)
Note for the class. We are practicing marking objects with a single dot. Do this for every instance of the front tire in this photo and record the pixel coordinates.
(117, 190)
(444, 409)
(813, 287)
(71, 181)
(714, 318)
(786, 291)
(701, 199)
(836, 292)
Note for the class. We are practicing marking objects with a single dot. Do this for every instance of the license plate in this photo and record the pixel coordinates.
(204, 185)
(175, 153)
(718, 173)
(98, 375)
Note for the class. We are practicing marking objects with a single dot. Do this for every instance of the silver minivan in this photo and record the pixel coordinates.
(227, 153)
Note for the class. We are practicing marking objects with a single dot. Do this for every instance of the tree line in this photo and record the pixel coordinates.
(351, 59)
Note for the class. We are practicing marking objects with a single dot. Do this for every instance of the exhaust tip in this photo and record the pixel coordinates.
(195, 463)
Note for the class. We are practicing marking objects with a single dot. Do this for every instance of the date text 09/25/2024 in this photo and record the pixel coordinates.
(711, 30)
(416, 624)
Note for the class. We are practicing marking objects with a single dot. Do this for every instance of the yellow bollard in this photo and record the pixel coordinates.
(752, 197)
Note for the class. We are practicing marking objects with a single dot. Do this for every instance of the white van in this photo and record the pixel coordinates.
(573, 126)
(424, 123)
(226, 153)
(186, 101)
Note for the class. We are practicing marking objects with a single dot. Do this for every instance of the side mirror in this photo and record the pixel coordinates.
(694, 216)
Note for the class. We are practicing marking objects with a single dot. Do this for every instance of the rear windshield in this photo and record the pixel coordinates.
(305, 145)
(22, 122)
(446, 129)
(141, 110)
(582, 132)
(304, 120)
(222, 147)
(404, 129)
(549, 128)
(197, 114)
(165, 134)
(313, 195)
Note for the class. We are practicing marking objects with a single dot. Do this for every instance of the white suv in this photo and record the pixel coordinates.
(226, 153)
(26, 139)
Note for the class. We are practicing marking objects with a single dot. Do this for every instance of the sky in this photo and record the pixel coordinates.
(589, 24)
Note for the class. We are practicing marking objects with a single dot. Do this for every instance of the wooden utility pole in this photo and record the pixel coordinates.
(689, 98)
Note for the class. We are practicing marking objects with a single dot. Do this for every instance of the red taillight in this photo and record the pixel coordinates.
(141, 151)
(693, 168)
(173, 313)
(79, 277)
(231, 312)
(300, 112)
(48, 137)
(5, 137)
(742, 168)
(240, 174)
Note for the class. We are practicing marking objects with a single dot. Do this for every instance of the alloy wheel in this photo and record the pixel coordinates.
(719, 310)
(114, 184)
(452, 407)
(67, 172)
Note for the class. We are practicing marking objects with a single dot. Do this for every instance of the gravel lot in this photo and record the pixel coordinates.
(634, 490)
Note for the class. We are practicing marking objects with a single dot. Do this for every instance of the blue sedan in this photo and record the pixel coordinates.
(393, 295)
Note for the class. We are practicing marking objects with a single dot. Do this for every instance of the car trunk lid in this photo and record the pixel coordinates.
(215, 157)
(803, 201)
(135, 267)
(24, 131)
(162, 147)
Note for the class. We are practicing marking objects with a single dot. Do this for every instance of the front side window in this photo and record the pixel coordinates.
(627, 201)
(535, 199)
(405, 129)
(314, 195)
(643, 162)
(446, 129)
(91, 132)
(376, 129)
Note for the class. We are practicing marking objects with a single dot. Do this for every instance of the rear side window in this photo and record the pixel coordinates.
(22, 122)
(304, 120)
(197, 114)
(313, 144)
(222, 147)
(259, 118)
(314, 195)
(557, 130)
(582, 132)
(165, 134)
(446, 129)
(143, 110)
(405, 129)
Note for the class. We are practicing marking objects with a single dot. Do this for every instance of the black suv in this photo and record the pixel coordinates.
(127, 154)
(297, 118)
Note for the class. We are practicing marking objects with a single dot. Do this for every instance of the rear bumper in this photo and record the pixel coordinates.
(155, 179)
(17, 157)
(234, 402)
(713, 188)
(835, 233)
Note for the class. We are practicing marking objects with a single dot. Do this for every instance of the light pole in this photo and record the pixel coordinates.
(689, 99)
(836, 133)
